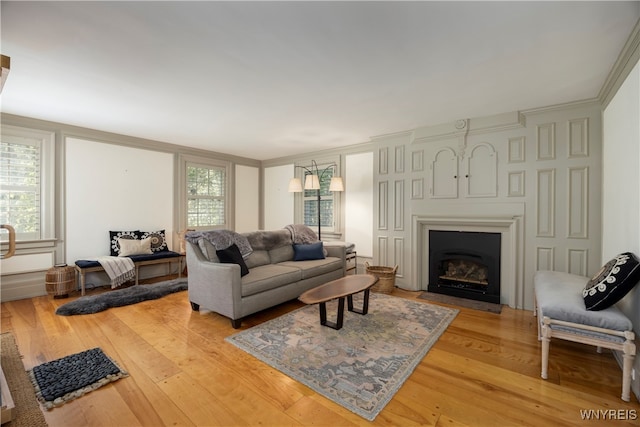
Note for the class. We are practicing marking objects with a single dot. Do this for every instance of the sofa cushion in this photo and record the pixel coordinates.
(281, 254)
(258, 258)
(270, 276)
(308, 251)
(559, 296)
(267, 240)
(614, 280)
(208, 250)
(232, 255)
(312, 268)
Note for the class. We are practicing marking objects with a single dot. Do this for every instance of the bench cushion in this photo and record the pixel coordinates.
(87, 263)
(559, 296)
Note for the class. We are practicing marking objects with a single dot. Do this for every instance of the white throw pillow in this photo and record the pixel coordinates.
(134, 247)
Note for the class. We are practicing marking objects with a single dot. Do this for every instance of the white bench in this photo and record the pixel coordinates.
(562, 314)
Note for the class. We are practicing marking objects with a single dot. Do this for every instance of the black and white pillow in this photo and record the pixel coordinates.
(114, 247)
(158, 240)
(614, 280)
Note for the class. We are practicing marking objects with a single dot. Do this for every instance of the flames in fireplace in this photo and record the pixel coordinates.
(465, 264)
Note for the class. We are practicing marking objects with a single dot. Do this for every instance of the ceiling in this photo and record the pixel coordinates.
(270, 79)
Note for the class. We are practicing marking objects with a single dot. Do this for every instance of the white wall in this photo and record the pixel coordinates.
(247, 195)
(278, 202)
(113, 187)
(621, 183)
(359, 202)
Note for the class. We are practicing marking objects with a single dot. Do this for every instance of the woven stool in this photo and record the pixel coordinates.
(60, 280)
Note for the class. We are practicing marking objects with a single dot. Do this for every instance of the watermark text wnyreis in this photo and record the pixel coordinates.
(609, 414)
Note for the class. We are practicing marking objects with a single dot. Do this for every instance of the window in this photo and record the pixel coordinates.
(206, 196)
(27, 183)
(326, 202)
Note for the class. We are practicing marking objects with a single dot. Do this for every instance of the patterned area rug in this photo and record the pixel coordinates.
(73, 376)
(27, 412)
(360, 366)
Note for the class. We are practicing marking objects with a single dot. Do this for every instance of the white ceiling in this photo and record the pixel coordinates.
(269, 79)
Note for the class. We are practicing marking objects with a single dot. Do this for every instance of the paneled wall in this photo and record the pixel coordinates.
(542, 166)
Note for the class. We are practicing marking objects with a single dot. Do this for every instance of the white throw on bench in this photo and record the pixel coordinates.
(562, 314)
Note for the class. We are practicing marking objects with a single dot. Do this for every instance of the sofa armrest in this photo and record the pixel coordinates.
(215, 286)
(338, 251)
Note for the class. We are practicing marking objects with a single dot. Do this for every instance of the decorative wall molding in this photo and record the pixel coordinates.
(383, 204)
(417, 161)
(578, 138)
(577, 261)
(383, 161)
(494, 123)
(516, 149)
(546, 141)
(516, 184)
(417, 191)
(383, 250)
(482, 171)
(546, 203)
(578, 200)
(399, 159)
(398, 206)
(545, 258)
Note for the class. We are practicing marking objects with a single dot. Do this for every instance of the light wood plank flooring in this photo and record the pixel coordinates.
(483, 371)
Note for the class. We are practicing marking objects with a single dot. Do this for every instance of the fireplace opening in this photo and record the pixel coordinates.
(465, 264)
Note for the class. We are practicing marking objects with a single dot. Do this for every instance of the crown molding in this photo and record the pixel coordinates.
(628, 58)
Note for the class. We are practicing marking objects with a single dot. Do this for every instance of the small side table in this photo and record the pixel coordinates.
(352, 256)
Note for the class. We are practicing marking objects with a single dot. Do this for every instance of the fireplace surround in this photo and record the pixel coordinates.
(510, 227)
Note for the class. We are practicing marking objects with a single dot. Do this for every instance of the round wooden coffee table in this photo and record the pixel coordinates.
(340, 288)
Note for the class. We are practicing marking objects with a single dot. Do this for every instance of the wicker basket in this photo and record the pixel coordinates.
(60, 280)
(386, 277)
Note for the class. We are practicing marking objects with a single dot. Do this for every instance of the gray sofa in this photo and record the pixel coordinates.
(274, 277)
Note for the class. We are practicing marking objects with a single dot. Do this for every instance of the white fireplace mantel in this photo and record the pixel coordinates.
(511, 257)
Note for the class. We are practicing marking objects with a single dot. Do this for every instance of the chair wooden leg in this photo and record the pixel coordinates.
(546, 341)
(628, 355)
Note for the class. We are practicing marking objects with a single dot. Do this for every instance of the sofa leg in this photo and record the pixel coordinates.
(236, 323)
(194, 306)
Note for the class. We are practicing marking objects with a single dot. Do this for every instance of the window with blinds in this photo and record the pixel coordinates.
(21, 175)
(206, 196)
(327, 205)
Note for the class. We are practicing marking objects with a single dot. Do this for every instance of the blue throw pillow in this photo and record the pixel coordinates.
(307, 252)
(232, 255)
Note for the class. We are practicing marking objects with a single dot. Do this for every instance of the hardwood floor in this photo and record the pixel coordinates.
(483, 371)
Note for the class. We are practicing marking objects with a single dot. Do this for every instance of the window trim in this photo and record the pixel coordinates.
(188, 160)
(47, 178)
(300, 168)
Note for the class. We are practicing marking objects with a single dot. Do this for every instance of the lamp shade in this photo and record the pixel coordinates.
(336, 184)
(295, 185)
(311, 182)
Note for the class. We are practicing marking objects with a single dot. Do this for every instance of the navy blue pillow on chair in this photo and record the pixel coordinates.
(232, 255)
(614, 280)
(308, 252)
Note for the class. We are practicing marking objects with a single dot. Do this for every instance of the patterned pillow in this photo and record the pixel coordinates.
(158, 240)
(614, 280)
(114, 247)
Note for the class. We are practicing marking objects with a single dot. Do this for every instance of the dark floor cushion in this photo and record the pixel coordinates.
(614, 280)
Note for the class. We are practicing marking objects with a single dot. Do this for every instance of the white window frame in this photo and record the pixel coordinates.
(301, 168)
(45, 140)
(187, 161)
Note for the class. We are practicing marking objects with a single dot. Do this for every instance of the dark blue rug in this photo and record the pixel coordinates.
(73, 376)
